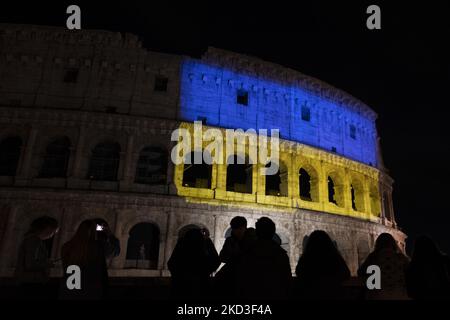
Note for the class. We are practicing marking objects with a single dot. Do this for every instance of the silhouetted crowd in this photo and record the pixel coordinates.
(255, 266)
(252, 265)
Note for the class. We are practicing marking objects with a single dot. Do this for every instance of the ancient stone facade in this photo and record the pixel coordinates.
(86, 120)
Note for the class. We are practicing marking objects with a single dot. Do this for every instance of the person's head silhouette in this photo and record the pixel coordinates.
(385, 241)
(238, 226)
(319, 242)
(265, 228)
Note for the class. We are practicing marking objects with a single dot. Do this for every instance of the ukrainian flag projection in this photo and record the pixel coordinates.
(228, 99)
(307, 178)
(327, 151)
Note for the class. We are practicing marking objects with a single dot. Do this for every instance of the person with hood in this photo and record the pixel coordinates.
(427, 276)
(392, 263)
(321, 270)
(191, 264)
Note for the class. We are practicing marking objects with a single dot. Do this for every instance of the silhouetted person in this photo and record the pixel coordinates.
(321, 270)
(427, 276)
(87, 250)
(33, 263)
(231, 255)
(393, 264)
(193, 261)
(264, 271)
(110, 243)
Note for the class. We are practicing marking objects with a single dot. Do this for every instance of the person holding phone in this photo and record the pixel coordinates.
(89, 249)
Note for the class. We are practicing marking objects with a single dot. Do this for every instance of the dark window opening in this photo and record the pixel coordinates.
(71, 75)
(197, 175)
(143, 247)
(306, 113)
(239, 176)
(152, 166)
(305, 185)
(331, 192)
(352, 132)
(56, 159)
(202, 119)
(104, 164)
(161, 83)
(333, 149)
(277, 184)
(242, 97)
(352, 190)
(10, 149)
(111, 109)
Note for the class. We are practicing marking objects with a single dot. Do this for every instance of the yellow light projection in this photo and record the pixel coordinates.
(331, 183)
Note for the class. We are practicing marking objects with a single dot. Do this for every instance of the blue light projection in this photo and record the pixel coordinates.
(214, 95)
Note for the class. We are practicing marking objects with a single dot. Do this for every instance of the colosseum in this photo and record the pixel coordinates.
(86, 119)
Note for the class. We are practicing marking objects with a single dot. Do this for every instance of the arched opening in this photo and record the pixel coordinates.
(10, 149)
(357, 194)
(239, 175)
(152, 166)
(56, 159)
(196, 175)
(277, 184)
(335, 191)
(308, 184)
(143, 246)
(104, 164)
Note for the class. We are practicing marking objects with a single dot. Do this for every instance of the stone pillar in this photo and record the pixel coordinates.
(23, 176)
(346, 191)
(169, 246)
(323, 186)
(76, 169)
(391, 209)
(217, 233)
(127, 177)
(367, 199)
(382, 207)
(171, 174)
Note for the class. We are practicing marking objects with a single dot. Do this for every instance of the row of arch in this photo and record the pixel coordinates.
(152, 165)
(103, 163)
(239, 178)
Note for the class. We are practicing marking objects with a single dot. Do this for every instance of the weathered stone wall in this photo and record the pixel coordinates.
(354, 237)
(209, 93)
(97, 86)
(111, 71)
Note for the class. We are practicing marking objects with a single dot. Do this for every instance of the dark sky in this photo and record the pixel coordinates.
(401, 71)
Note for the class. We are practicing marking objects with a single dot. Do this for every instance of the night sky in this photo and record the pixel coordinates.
(401, 71)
